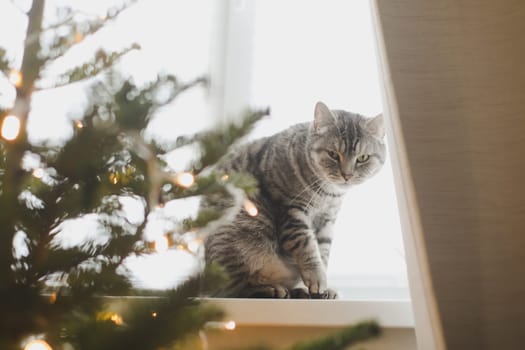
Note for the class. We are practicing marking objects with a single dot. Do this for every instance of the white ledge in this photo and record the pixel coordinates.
(301, 312)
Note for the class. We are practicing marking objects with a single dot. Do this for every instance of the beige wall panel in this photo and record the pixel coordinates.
(457, 74)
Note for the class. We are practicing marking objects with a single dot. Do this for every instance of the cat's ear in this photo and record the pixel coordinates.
(376, 126)
(323, 118)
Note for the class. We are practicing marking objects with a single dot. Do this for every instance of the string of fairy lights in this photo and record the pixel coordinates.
(39, 343)
(10, 130)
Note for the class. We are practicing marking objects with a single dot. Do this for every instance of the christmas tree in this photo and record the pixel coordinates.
(55, 296)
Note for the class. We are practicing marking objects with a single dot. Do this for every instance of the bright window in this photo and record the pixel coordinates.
(305, 51)
(283, 54)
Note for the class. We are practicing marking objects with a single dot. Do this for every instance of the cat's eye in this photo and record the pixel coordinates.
(332, 154)
(363, 158)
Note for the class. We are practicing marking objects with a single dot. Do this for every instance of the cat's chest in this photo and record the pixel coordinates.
(323, 215)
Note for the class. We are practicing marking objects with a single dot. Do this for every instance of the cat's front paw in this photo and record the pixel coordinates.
(327, 294)
(315, 281)
(268, 291)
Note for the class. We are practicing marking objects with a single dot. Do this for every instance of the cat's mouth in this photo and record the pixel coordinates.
(347, 177)
(346, 181)
(342, 182)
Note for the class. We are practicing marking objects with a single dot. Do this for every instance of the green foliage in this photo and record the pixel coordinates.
(145, 100)
(203, 217)
(341, 339)
(101, 62)
(215, 143)
(243, 181)
(4, 63)
(84, 157)
(177, 315)
(337, 340)
(70, 30)
(106, 159)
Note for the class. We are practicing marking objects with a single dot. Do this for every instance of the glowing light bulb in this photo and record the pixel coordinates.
(161, 244)
(79, 124)
(154, 314)
(230, 325)
(250, 208)
(38, 173)
(10, 127)
(110, 316)
(78, 37)
(53, 298)
(184, 179)
(113, 178)
(15, 77)
(194, 246)
(37, 344)
(116, 319)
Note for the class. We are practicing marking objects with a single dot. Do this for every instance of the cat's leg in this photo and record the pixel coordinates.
(324, 237)
(265, 291)
(248, 254)
(328, 294)
(298, 240)
(252, 284)
(324, 234)
(299, 291)
(331, 294)
(244, 284)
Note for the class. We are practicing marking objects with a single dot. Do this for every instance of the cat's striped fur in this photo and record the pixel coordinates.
(302, 173)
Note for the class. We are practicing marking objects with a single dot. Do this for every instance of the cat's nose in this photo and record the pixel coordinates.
(347, 176)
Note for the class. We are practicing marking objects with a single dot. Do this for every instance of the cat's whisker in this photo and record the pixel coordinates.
(317, 192)
(307, 187)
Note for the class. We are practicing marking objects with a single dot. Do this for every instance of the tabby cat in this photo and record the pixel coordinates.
(302, 173)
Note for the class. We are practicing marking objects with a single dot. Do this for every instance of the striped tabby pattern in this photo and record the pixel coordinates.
(302, 173)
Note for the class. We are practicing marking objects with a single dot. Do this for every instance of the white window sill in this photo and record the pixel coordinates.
(300, 312)
(389, 313)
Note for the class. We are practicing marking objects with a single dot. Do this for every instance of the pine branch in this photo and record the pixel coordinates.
(14, 174)
(341, 339)
(15, 5)
(69, 32)
(66, 21)
(84, 283)
(236, 129)
(91, 25)
(31, 62)
(100, 63)
(122, 244)
(4, 63)
(176, 89)
(215, 143)
(204, 217)
(58, 260)
(133, 107)
(177, 314)
(338, 340)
